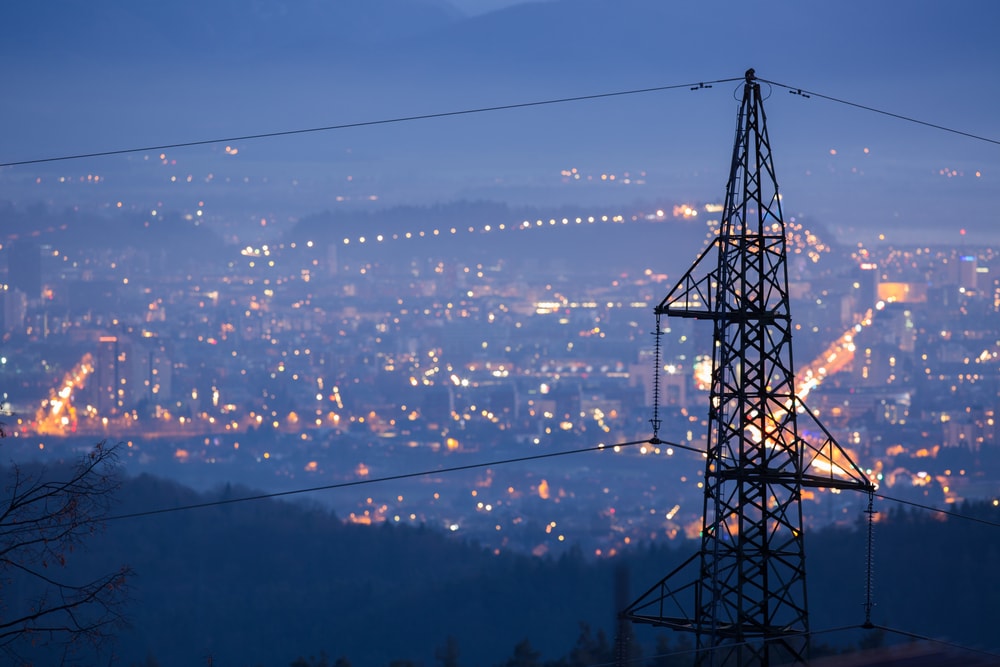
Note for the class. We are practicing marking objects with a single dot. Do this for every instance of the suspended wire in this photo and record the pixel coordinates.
(370, 123)
(929, 508)
(503, 107)
(655, 441)
(388, 478)
(943, 642)
(909, 119)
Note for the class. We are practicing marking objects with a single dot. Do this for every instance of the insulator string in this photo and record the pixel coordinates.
(655, 421)
(869, 601)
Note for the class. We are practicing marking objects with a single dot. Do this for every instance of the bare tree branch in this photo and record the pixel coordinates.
(44, 516)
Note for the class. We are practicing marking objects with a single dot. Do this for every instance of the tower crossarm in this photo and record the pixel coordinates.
(693, 295)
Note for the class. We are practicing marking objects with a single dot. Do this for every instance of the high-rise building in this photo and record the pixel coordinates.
(867, 286)
(967, 271)
(105, 382)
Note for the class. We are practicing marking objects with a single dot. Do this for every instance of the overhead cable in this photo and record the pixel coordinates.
(369, 123)
(909, 119)
(502, 107)
(423, 473)
(938, 510)
(943, 642)
(388, 478)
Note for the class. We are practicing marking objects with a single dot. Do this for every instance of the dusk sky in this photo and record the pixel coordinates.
(117, 75)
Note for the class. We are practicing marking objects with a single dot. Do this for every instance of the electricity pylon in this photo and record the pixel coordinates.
(745, 599)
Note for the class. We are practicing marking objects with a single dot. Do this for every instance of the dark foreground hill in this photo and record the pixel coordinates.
(264, 582)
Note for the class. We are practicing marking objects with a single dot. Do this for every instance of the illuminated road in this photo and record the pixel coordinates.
(57, 414)
(837, 356)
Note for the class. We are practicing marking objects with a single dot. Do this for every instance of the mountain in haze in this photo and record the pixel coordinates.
(109, 74)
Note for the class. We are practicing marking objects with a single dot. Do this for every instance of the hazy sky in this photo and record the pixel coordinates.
(112, 75)
(474, 7)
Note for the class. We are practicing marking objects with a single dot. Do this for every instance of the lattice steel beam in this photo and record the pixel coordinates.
(744, 593)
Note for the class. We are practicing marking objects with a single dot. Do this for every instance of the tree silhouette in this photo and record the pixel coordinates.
(524, 656)
(590, 649)
(679, 654)
(313, 661)
(447, 655)
(45, 515)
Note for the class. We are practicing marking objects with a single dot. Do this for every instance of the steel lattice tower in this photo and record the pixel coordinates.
(744, 593)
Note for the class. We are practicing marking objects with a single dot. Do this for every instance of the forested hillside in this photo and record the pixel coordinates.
(268, 583)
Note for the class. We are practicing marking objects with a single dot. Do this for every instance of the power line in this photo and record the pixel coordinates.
(909, 119)
(913, 635)
(375, 480)
(370, 123)
(939, 510)
(502, 107)
(389, 478)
